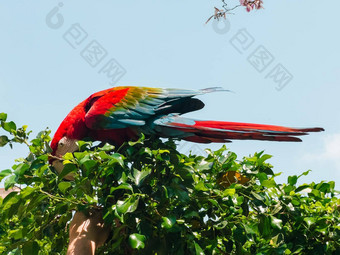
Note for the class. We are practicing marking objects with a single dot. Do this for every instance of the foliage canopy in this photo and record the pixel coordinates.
(159, 201)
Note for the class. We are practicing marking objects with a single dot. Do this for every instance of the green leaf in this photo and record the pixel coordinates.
(16, 233)
(84, 145)
(191, 214)
(5, 173)
(213, 202)
(3, 140)
(10, 181)
(139, 141)
(229, 192)
(27, 191)
(292, 180)
(9, 126)
(117, 244)
(268, 183)
(275, 222)
(137, 241)
(287, 189)
(264, 158)
(323, 187)
(30, 248)
(332, 184)
(168, 222)
(68, 168)
(3, 116)
(139, 176)
(198, 249)
(251, 229)
(201, 187)
(304, 173)
(125, 186)
(302, 187)
(90, 199)
(35, 201)
(277, 208)
(127, 206)
(165, 191)
(265, 226)
(295, 202)
(160, 151)
(89, 164)
(63, 186)
(257, 196)
(107, 147)
(262, 177)
(145, 151)
(221, 225)
(16, 251)
(68, 156)
(10, 199)
(79, 155)
(21, 169)
(309, 220)
(36, 142)
(204, 165)
(117, 158)
(287, 251)
(316, 193)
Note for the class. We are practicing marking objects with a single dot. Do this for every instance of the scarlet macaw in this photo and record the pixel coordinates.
(120, 114)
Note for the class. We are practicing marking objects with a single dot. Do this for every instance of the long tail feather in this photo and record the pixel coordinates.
(220, 131)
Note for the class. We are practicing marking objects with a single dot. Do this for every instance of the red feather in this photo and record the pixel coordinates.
(120, 114)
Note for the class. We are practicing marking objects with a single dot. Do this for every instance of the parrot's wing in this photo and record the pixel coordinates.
(156, 111)
(123, 107)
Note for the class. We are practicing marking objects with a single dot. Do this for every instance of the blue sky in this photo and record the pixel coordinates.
(167, 44)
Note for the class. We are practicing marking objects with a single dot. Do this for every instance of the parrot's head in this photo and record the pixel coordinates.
(59, 149)
(63, 145)
(71, 130)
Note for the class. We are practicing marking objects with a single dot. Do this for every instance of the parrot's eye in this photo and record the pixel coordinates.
(62, 142)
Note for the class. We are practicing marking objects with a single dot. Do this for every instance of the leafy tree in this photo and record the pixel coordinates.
(159, 201)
